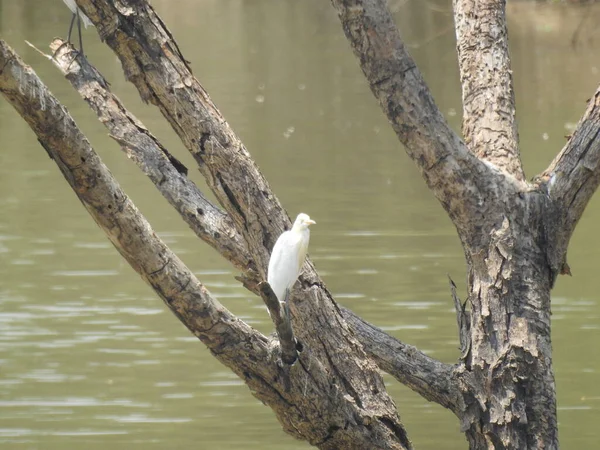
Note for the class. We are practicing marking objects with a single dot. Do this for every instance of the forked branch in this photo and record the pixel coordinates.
(153, 63)
(234, 343)
(458, 178)
(295, 392)
(432, 379)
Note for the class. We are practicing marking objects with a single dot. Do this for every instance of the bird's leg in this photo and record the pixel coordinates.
(68, 37)
(79, 31)
(71, 28)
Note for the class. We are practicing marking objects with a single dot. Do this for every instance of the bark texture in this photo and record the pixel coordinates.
(489, 123)
(153, 63)
(324, 383)
(514, 233)
(572, 179)
(333, 396)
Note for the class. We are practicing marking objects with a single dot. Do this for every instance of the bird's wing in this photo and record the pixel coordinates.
(283, 265)
(302, 249)
(73, 7)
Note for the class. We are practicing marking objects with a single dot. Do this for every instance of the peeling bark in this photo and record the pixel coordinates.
(511, 230)
(324, 386)
(314, 398)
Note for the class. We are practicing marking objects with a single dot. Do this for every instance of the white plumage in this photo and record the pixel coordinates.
(288, 257)
(73, 7)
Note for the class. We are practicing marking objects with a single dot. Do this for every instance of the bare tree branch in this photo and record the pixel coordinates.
(153, 63)
(234, 343)
(432, 379)
(306, 396)
(489, 123)
(573, 177)
(209, 223)
(458, 178)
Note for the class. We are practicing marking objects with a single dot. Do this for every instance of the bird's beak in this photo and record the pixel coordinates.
(311, 222)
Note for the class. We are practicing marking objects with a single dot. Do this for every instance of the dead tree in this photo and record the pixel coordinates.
(324, 383)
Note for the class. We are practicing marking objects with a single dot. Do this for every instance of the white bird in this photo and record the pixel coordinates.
(80, 16)
(287, 258)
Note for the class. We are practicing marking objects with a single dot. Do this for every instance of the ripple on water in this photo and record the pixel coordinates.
(87, 432)
(142, 418)
(70, 402)
(22, 262)
(574, 408)
(50, 376)
(405, 327)
(92, 245)
(122, 351)
(221, 383)
(85, 273)
(178, 395)
(363, 233)
(349, 295)
(366, 272)
(418, 305)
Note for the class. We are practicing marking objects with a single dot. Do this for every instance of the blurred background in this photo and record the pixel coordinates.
(90, 357)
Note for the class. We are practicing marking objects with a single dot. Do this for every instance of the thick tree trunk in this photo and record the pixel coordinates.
(323, 384)
(510, 352)
(514, 233)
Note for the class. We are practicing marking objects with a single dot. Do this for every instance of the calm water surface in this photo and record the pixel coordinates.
(90, 357)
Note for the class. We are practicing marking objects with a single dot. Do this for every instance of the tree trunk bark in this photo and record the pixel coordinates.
(510, 354)
(324, 383)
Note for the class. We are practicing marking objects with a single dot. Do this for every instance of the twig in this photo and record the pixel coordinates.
(463, 320)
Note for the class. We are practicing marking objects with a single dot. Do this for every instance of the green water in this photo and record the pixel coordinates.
(90, 357)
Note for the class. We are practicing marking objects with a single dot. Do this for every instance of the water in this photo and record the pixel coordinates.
(89, 356)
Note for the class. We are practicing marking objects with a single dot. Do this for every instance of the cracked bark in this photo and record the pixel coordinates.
(206, 220)
(141, 41)
(489, 122)
(514, 233)
(340, 406)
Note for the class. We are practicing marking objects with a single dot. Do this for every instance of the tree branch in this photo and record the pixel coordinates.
(283, 326)
(209, 223)
(489, 124)
(235, 344)
(573, 177)
(457, 178)
(427, 376)
(305, 396)
(152, 61)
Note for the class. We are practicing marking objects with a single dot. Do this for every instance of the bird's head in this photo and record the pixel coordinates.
(302, 222)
